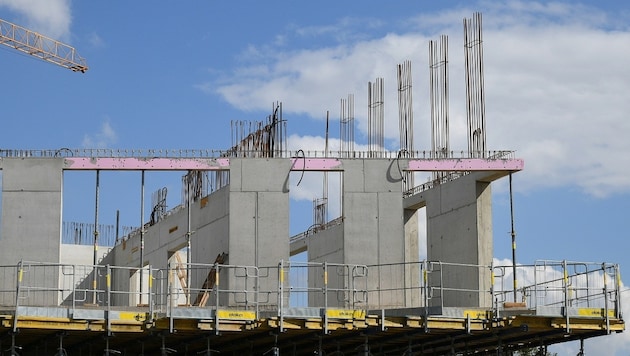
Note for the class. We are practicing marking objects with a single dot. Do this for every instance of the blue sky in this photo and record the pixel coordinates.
(169, 76)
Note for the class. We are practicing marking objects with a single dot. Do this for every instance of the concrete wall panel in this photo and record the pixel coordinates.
(31, 210)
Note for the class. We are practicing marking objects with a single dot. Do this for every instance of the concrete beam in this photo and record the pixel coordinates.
(297, 164)
(145, 163)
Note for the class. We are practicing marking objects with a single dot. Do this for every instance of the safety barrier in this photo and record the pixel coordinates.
(567, 288)
(309, 289)
(211, 285)
(75, 286)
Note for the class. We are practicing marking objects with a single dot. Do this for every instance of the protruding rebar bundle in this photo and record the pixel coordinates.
(475, 93)
(438, 64)
(405, 115)
(376, 114)
(158, 203)
(258, 139)
(346, 121)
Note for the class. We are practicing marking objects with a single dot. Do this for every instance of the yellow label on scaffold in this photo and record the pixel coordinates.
(595, 312)
(345, 314)
(236, 314)
(475, 314)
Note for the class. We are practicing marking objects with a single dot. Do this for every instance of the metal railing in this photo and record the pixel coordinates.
(211, 285)
(557, 287)
(589, 288)
(75, 286)
(322, 285)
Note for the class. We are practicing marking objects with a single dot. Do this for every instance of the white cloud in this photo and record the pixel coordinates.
(102, 139)
(96, 40)
(556, 81)
(51, 18)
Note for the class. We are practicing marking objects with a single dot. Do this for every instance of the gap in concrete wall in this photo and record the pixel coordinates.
(177, 262)
(136, 297)
(304, 189)
(421, 178)
(422, 233)
(298, 280)
(118, 191)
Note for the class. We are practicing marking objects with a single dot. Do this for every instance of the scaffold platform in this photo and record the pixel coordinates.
(564, 303)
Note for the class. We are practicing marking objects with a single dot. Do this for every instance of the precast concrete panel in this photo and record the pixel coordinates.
(265, 175)
(326, 245)
(412, 235)
(243, 235)
(453, 236)
(390, 228)
(361, 243)
(266, 211)
(353, 176)
(80, 254)
(31, 210)
(236, 174)
(214, 206)
(210, 240)
(412, 242)
(31, 219)
(485, 236)
(391, 250)
(459, 232)
(382, 176)
(272, 228)
(159, 239)
(452, 196)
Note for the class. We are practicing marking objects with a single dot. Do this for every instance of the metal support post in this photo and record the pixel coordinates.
(606, 317)
(95, 256)
(566, 294)
(216, 293)
(189, 233)
(108, 291)
(618, 307)
(513, 233)
(141, 237)
(18, 285)
(325, 292)
(281, 295)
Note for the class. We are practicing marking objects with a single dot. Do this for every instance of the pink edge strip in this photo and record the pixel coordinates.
(466, 164)
(127, 163)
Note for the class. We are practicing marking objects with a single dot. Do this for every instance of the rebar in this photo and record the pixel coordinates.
(259, 139)
(438, 65)
(346, 121)
(405, 115)
(475, 93)
(376, 114)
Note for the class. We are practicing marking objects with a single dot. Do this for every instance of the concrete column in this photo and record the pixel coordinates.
(373, 230)
(259, 216)
(31, 218)
(459, 235)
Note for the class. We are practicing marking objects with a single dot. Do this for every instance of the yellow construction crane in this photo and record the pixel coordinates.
(37, 45)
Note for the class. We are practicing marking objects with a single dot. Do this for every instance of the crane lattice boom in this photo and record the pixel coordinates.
(40, 46)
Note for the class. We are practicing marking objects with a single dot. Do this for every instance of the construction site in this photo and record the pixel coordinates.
(217, 274)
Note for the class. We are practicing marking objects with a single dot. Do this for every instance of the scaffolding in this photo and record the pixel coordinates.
(314, 307)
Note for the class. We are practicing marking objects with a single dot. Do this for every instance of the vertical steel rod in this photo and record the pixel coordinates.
(117, 226)
(95, 257)
(513, 233)
(188, 237)
(438, 64)
(141, 236)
